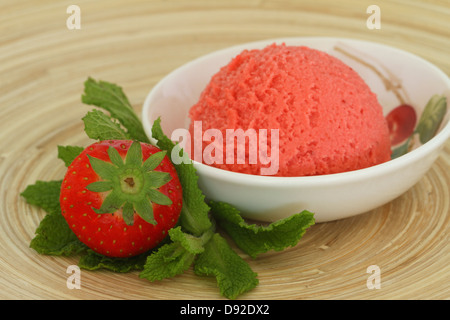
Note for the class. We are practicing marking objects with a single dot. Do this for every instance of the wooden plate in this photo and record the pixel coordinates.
(43, 65)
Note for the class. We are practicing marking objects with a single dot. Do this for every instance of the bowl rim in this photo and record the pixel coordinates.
(434, 143)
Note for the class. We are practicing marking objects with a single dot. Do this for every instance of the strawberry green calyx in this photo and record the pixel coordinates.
(131, 182)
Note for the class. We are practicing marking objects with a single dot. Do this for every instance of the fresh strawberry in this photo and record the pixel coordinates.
(121, 197)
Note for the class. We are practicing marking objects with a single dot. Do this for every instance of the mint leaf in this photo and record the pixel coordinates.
(163, 142)
(176, 257)
(94, 261)
(189, 242)
(53, 235)
(111, 97)
(99, 126)
(253, 239)
(44, 194)
(170, 260)
(68, 153)
(194, 213)
(234, 276)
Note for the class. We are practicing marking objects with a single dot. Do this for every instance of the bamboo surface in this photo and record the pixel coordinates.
(43, 65)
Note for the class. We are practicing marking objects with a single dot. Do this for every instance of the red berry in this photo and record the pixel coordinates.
(401, 123)
(116, 202)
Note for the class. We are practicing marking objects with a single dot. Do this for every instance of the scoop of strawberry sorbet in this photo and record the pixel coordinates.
(328, 119)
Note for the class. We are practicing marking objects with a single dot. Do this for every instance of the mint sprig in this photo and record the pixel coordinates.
(233, 274)
(111, 98)
(99, 126)
(176, 257)
(194, 214)
(195, 242)
(256, 239)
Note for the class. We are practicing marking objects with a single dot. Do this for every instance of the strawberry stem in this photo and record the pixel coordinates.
(132, 184)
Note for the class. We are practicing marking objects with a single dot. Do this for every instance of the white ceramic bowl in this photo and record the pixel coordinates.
(330, 197)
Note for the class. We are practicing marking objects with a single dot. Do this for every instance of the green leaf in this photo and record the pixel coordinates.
(194, 213)
(170, 260)
(44, 194)
(111, 97)
(175, 258)
(189, 242)
(68, 153)
(234, 276)
(99, 126)
(54, 237)
(431, 118)
(163, 142)
(94, 261)
(253, 239)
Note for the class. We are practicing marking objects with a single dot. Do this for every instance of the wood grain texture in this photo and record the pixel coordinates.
(134, 43)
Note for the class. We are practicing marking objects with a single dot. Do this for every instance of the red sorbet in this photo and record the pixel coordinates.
(329, 120)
